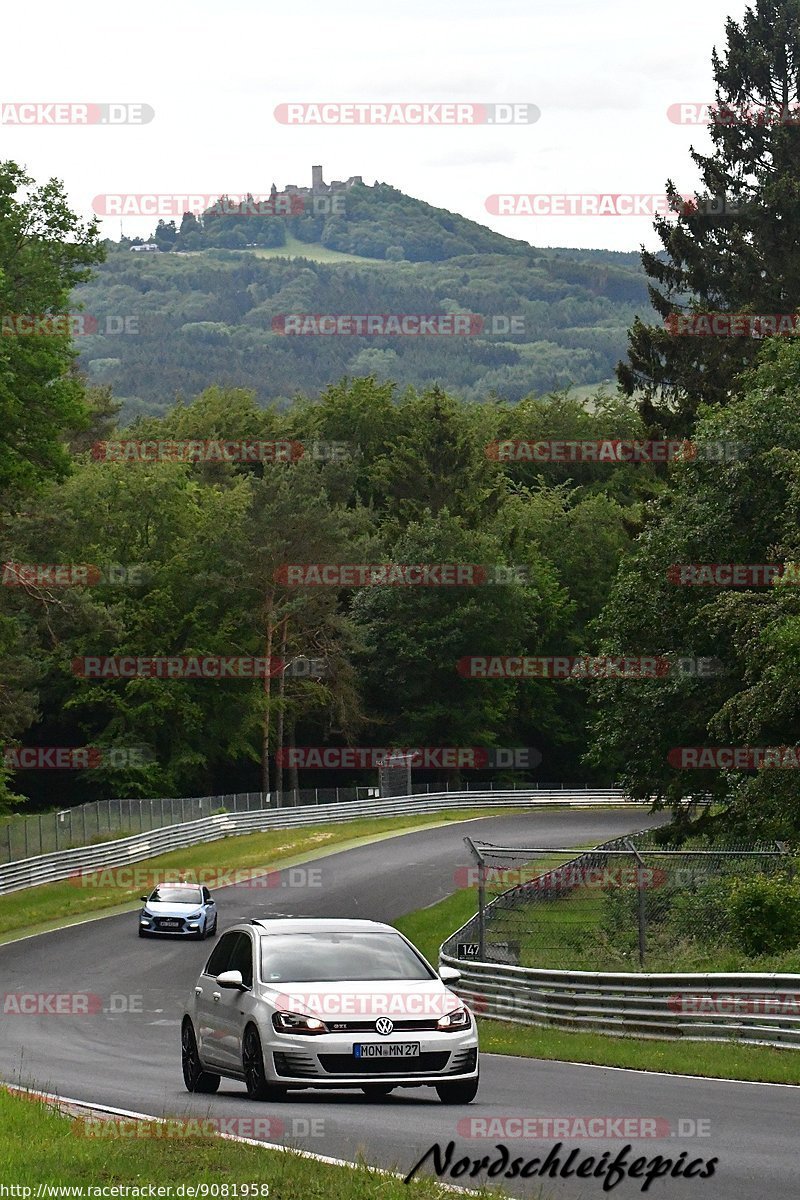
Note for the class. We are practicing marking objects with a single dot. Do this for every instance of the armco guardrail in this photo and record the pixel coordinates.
(24, 835)
(49, 868)
(754, 1008)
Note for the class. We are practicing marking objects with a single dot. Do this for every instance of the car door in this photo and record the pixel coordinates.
(206, 1007)
(230, 1006)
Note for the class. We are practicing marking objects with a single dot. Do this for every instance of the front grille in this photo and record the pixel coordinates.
(423, 1023)
(348, 1064)
(294, 1064)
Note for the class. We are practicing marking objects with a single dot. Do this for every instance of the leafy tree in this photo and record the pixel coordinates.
(744, 259)
(44, 251)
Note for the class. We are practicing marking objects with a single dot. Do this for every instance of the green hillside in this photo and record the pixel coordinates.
(199, 314)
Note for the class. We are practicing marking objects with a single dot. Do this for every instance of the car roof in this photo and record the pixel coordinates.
(273, 925)
(180, 883)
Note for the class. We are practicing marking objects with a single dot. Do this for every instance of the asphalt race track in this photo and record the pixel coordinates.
(131, 1059)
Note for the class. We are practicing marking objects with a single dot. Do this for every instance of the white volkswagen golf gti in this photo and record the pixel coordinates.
(288, 1003)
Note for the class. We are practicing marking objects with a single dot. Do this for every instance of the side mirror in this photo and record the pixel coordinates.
(449, 975)
(145, 898)
(231, 979)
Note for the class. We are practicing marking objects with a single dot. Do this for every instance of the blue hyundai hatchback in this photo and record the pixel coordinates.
(179, 909)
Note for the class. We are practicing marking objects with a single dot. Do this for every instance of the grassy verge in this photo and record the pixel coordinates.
(54, 904)
(714, 1060)
(429, 927)
(42, 1146)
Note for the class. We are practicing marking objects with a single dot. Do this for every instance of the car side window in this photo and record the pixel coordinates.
(206, 895)
(221, 954)
(242, 958)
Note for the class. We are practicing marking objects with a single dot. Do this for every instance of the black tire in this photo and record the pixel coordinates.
(462, 1092)
(377, 1091)
(255, 1077)
(194, 1077)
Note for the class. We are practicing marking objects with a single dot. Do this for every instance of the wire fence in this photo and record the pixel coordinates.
(25, 835)
(625, 905)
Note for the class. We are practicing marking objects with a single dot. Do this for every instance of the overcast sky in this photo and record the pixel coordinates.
(602, 74)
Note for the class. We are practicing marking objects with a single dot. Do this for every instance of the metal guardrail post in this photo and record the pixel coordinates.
(481, 898)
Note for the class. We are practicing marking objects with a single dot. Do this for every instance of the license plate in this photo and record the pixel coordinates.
(170, 924)
(386, 1050)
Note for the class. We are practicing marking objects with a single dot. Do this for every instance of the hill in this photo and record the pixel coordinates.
(543, 318)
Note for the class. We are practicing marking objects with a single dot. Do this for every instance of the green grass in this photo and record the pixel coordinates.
(54, 904)
(42, 1146)
(715, 1060)
(294, 248)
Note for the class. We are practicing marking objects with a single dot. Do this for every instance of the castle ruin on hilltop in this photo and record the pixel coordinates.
(318, 185)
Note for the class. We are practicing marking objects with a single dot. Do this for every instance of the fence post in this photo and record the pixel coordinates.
(85, 834)
(8, 837)
(641, 910)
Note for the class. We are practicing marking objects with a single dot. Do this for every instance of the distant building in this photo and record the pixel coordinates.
(148, 246)
(319, 187)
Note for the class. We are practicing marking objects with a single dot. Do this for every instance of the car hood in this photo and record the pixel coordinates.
(172, 910)
(399, 999)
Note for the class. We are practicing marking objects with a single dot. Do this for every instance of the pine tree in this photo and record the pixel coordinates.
(736, 248)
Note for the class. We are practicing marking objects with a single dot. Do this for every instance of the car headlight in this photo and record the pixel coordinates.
(453, 1021)
(194, 916)
(288, 1022)
(145, 915)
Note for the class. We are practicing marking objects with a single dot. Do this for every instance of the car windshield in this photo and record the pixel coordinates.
(332, 957)
(176, 895)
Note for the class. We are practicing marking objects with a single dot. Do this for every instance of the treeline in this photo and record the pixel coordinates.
(189, 558)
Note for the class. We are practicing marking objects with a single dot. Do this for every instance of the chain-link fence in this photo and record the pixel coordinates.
(625, 905)
(25, 835)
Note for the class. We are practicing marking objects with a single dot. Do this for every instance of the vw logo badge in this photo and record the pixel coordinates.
(384, 1025)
